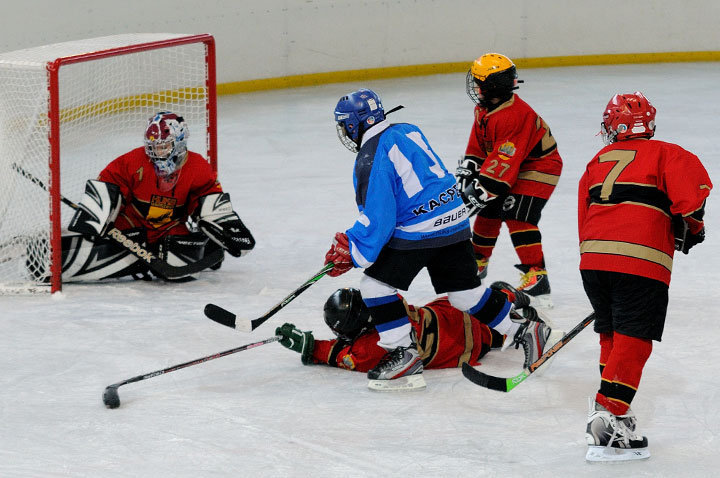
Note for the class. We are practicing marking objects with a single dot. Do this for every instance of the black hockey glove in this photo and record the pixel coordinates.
(297, 340)
(473, 194)
(467, 170)
(684, 239)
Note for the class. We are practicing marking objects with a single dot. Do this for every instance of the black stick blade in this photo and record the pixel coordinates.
(220, 315)
(484, 380)
(111, 399)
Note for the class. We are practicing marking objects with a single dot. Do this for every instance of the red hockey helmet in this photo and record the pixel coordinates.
(628, 116)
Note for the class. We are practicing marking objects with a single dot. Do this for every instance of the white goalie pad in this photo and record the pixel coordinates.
(215, 208)
(98, 208)
(218, 220)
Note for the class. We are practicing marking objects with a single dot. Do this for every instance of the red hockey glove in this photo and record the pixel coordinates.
(339, 254)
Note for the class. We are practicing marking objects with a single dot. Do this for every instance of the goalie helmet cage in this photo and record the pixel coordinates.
(67, 110)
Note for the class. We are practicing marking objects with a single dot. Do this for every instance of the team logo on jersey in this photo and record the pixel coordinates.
(348, 362)
(507, 148)
(161, 210)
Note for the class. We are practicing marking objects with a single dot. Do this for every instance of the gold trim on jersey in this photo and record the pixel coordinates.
(537, 176)
(469, 343)
(627, 249)
(502, 106)
(627, 183)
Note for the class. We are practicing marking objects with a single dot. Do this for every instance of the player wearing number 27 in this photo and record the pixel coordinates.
(639, 200)
(510, 169)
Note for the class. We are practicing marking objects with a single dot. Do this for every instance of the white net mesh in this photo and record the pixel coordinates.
(104, 107)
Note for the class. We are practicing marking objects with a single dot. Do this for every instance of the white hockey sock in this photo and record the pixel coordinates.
(507, 327)
(396, 337)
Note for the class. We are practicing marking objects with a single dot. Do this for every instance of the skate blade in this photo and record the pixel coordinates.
(544, 301)
(402, 384)
(605, 453)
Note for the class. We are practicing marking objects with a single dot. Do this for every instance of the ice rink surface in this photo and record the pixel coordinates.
(262, 413)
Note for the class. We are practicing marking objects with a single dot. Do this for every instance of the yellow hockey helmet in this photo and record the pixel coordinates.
(491, 76)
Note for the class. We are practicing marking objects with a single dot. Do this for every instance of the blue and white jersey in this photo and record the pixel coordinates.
(406, 197)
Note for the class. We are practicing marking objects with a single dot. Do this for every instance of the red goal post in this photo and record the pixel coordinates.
(67, 110)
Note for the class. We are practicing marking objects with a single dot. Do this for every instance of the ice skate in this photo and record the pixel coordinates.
(534, 334)
(516, 297)
(611, 437)
(535, 283)
(400, 369)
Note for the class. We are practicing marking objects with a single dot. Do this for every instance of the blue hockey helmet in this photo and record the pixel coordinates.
(354, 114)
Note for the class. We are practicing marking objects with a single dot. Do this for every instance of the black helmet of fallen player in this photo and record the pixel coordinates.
(346, 314)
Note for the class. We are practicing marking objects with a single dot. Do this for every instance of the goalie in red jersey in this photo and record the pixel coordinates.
(160, 196)
(510, 169)
(639, 200)
(446, 337)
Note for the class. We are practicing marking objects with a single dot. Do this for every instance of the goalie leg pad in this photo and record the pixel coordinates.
(98, 208)
(88, 260)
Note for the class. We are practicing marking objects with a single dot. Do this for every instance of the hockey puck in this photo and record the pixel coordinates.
(111, 399)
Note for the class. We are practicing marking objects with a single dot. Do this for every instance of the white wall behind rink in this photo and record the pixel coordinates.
(259, 39)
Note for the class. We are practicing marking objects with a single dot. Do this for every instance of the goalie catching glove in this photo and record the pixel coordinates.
(222, 225)
(297, 340)
(473, 194)
(98, 208)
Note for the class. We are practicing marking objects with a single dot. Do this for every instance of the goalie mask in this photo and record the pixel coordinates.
(166, 138)
(626, 117)
(346, 314)
(491, 77)
(355, 114)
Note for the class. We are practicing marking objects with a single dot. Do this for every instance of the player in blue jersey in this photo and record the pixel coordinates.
(411, 217)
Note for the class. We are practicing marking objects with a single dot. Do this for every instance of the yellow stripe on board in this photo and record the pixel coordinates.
(314, 79)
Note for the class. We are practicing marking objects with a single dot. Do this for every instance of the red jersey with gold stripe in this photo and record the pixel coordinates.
(517, 151)
(159, 207)
(626, 199)
(447, 337)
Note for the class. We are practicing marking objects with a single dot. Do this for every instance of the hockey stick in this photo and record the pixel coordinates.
(506, 384)
(228, 319)
(160, 267)
(111, 399)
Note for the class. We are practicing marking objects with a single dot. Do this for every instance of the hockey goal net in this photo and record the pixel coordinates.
(67, 110)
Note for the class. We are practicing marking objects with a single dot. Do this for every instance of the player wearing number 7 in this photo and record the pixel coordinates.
(639, 200)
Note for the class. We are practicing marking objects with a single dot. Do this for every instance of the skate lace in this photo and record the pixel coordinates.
(393, 358)
(531, 277)
(622, 432)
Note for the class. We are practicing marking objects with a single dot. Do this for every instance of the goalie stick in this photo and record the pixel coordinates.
(160, 267)
(228, 319)
(506, 384)
(111, 399)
